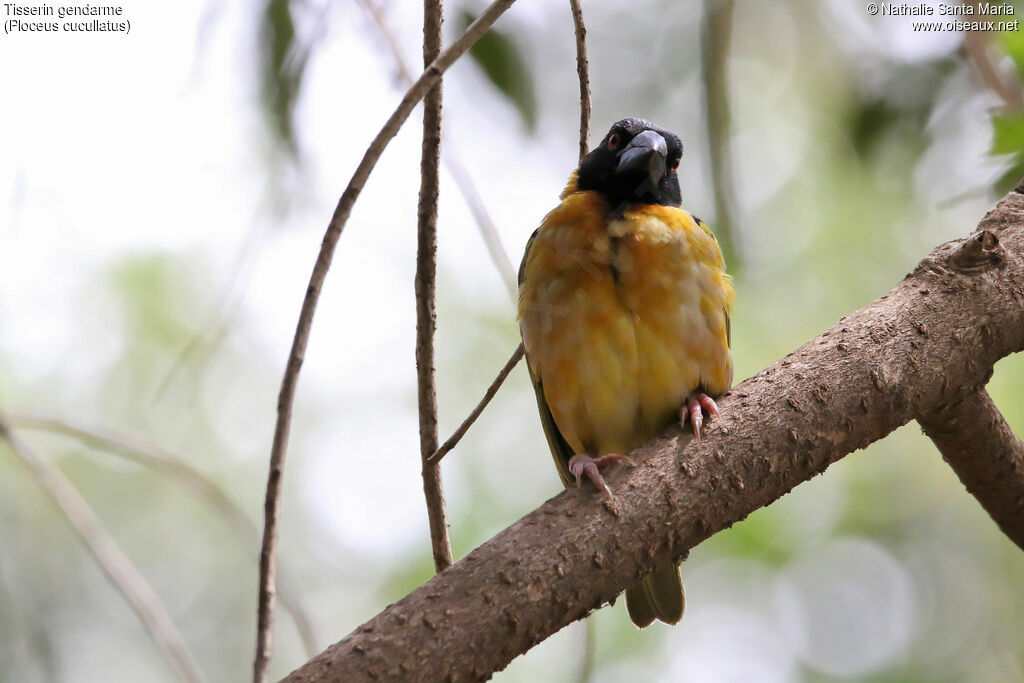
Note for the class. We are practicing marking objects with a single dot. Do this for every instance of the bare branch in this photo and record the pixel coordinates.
(380, 21)
(124, 576)
(204, 488)
(715, 37)
(981, 448)
(975, 46)
(426, 275)
(272, 504)
(454, 439)
(463, 181)
(583, 72)
(932, 339)
(492, 241)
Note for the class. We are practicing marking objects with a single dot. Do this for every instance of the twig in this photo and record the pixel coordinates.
(715, 36)
(483, 221)
(205, 489)
(125, 577)
(934, 336)
(986, 455)
(380, 21)
(454, 439)
(463, 181)
(286, 398)
(583, 72)
(426, 276)
(976, 48)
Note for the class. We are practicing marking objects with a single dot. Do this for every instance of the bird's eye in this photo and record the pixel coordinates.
(613, 141)
(674, 165)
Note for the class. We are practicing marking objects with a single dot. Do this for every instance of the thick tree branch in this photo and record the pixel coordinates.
(426, 275)
(985, 453)
(932, 340)
(286, 397)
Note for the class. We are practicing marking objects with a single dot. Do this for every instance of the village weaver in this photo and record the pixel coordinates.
(624, 310)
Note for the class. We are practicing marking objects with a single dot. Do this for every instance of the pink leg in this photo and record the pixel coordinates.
(696, 403)
(584, 464)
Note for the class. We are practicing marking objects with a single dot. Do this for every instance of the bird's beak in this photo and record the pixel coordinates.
(645, 154)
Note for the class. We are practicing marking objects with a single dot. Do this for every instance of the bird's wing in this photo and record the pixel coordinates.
(560, 448)
(728, 324)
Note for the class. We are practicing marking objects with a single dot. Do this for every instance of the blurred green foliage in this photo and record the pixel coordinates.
(1008, 125)
(500, 56)
(282, 58)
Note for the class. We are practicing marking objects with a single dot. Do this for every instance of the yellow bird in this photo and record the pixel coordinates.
(624, 309)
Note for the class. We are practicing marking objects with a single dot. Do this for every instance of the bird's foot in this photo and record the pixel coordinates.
(584, 464)
(696, 403)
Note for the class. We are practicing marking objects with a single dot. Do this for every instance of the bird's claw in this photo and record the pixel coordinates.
(696, 403)
(583, 464)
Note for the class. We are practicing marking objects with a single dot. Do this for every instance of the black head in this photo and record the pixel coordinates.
(636, 162)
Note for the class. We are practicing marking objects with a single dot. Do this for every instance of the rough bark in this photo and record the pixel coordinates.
(583, 74)
(931, 341)
(984, 452)
(425, 286)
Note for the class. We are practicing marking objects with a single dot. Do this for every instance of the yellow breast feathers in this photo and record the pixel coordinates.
(623, 318)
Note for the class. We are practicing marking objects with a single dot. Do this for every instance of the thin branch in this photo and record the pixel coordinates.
(931, 339)
(715, 36)
(380, 21)
(975, 46)
(583, 72)
(286, 398)
(426, 295)
(488, 231)
(463, 181)
(976, 49)
(454, 439)
(124, 576)
(984, 452)
(202, 487)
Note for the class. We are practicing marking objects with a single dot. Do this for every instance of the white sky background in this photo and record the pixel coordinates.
(118, 145)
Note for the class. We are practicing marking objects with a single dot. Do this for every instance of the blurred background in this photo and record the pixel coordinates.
(162, 199)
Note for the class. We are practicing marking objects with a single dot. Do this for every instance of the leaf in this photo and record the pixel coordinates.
(501, 59)
(1013, 175)
(1007, 133)
(283, 63)
(1008, 138)
(1012, 43)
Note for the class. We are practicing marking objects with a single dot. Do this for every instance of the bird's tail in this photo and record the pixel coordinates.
(659, 596)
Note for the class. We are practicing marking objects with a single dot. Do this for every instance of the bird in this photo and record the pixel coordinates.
(624, 310)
